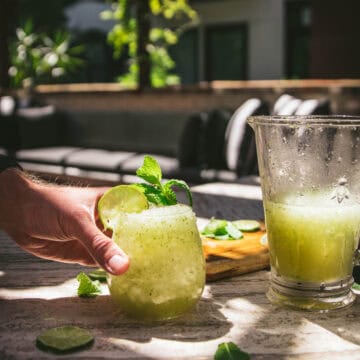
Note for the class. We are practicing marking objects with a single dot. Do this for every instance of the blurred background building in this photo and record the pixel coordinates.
(233, 40)
(244, 40)
(58, 65)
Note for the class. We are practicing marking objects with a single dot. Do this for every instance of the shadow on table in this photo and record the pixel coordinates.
(101, 315)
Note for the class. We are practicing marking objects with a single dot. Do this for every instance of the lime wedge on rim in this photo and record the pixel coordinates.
(117, 200)
(247, 225)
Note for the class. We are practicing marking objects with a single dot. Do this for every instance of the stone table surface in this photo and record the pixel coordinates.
(36, 294)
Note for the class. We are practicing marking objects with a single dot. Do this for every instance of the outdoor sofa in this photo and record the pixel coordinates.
(215, 145)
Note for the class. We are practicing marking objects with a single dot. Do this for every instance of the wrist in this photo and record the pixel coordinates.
(14, 187)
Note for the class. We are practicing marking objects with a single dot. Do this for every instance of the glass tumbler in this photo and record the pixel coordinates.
(166, 276)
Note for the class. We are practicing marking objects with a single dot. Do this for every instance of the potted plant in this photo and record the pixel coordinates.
(37, 58)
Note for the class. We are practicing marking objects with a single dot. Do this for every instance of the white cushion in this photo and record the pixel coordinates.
(281, 102)
(290, 107)
(235, 131)
(307, 107)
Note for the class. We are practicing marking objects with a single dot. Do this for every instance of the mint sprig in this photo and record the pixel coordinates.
(87, 287)
(150, 171)
(155, 191)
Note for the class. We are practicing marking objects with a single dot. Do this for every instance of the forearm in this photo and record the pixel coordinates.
(14, 189)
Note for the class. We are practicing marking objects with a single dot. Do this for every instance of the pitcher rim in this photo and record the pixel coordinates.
(329, 120)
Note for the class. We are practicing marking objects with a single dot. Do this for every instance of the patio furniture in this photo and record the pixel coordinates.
(215, 145)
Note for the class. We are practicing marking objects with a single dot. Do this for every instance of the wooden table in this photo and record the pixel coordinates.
(36, 294)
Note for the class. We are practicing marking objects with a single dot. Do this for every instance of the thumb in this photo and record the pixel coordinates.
(106, 253)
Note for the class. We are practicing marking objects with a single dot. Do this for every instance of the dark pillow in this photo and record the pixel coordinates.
(191, 144)
(215, 138)
(41, 127)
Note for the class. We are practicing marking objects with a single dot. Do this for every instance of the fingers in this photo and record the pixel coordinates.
(71, 251)
(107, 254)
(86, 196)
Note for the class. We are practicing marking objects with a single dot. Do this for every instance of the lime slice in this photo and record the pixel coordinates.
(247, 225)
(117, 200)
(64, 339)
(98, 274)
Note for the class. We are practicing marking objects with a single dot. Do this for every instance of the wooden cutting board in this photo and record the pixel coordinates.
(227, 258)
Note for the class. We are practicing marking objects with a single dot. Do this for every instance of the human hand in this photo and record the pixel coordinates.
(57, 222)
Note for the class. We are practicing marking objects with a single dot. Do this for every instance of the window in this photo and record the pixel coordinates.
(226, 52)
(185, 55)
(298, 22)
(99, 65)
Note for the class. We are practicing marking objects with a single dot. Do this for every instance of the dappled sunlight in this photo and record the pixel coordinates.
(164, 349)
(244, 315)
(201, 222)
(67, 288)
(237, 304)
(230, 189)
(322, 340)
(207, 293)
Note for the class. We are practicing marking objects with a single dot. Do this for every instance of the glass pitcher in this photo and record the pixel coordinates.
(310, 178)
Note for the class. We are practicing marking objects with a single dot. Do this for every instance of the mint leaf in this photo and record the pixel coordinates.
(170, 196)
(87, 287)
(150, 171)
(152, 193)
(230, 351)
(179, 183)
(356, 286)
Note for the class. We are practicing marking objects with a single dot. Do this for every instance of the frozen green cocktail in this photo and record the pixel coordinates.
(166, 276)
(312, 238)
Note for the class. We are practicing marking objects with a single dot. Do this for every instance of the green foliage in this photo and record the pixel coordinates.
(38, 58)
(123, 37)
